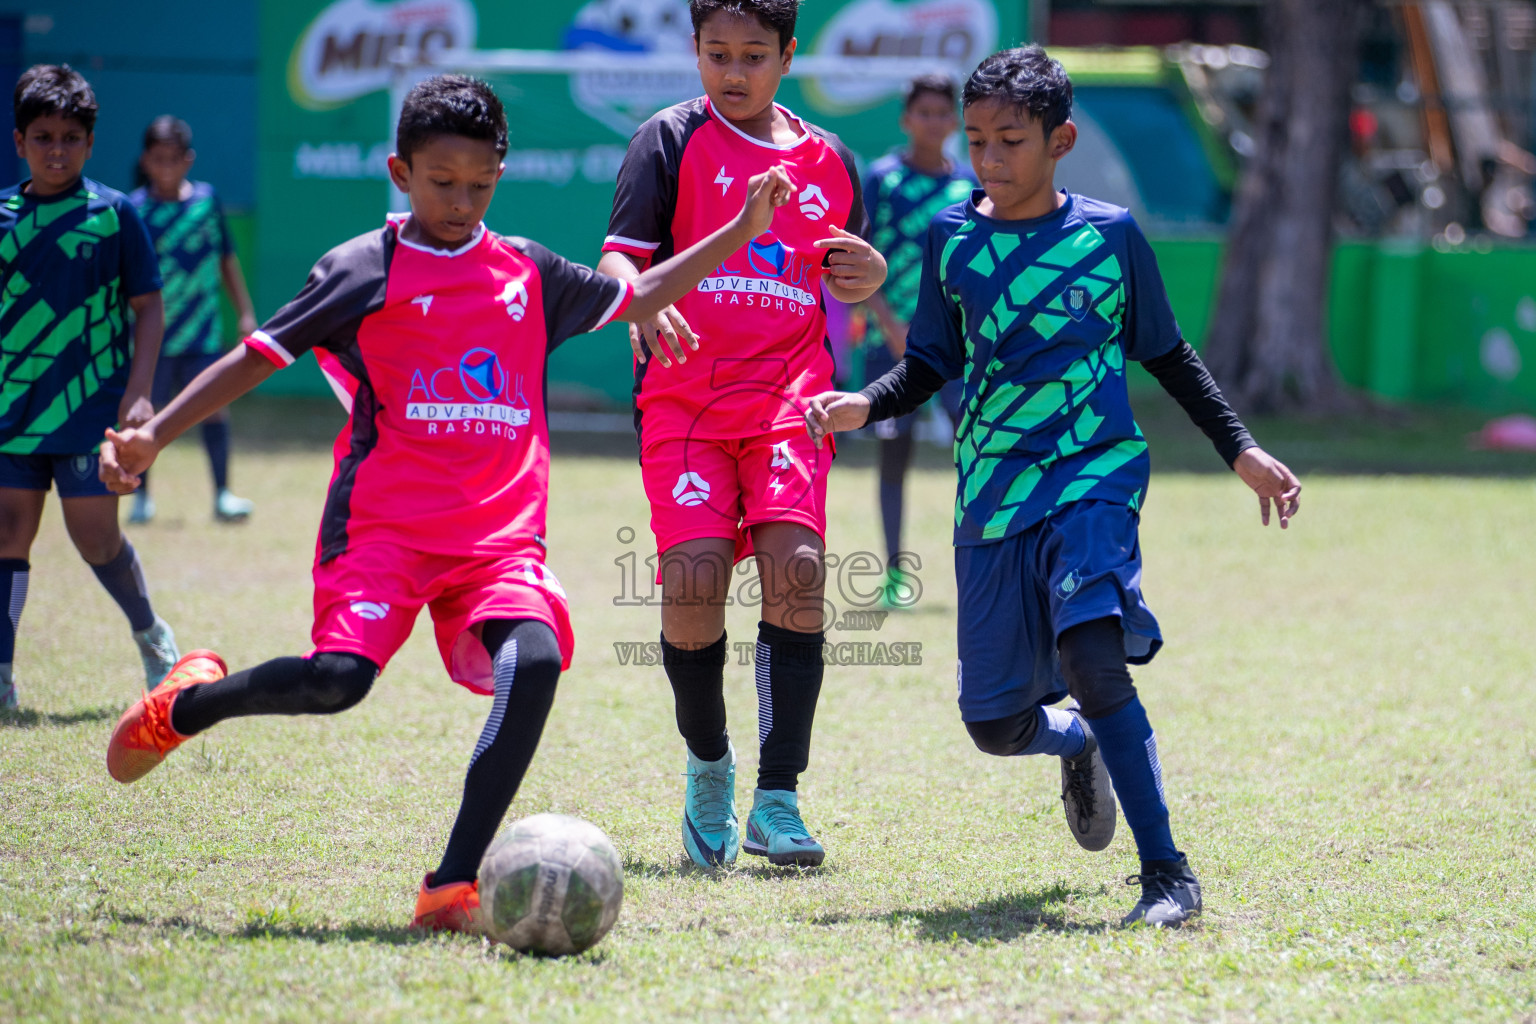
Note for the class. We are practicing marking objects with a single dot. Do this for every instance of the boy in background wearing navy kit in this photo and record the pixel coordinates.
(1036, 298)
(74, 261)
(186, 223)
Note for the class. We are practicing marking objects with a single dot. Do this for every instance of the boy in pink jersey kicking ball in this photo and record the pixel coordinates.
(728, 470)
(437, 331)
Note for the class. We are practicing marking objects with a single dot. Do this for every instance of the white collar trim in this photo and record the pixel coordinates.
(805, 132)
(399, 219)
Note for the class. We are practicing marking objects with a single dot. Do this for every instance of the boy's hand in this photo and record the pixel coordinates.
(124, 457)
(766, 192)
(669, 324)
(1272, 481)
(135, 410)
(852, 261)
(835, 410)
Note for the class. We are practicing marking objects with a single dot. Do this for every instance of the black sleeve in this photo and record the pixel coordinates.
(346, 285)
(1184, 376)
(645, 193)
(577, 299)
(858, 214)
(903, 389)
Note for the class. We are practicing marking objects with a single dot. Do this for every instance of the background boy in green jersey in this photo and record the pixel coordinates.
(74, 259)
(903, 191)
(1037, 298)
(186, 223)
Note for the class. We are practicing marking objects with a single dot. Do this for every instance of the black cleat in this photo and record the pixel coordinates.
(1086, 794)
(1170, 894)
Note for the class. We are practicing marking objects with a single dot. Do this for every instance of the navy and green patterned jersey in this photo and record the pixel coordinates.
(192, 241)
(69, 263)
(1038, 317)
(902, 203)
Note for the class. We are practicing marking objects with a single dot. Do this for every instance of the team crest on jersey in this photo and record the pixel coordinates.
(1077, 302)
(814, 203)
(515, 297)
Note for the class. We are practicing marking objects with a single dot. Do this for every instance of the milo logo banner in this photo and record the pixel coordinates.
(325, 130)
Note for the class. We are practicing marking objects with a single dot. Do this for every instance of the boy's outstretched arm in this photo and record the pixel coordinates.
(668, 325)
(1183, 375)
(127, 454)
(666, 282)
(903, 389)
(148, 331)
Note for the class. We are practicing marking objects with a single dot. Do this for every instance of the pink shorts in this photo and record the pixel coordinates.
(724, 487)
(366, 601)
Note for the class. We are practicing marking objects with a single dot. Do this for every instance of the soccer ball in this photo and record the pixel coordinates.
(550, 884)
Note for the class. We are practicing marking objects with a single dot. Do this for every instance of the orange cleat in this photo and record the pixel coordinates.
(144, 735)
(452, 907)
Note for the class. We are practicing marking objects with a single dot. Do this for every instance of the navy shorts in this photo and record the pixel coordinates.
(1019, 594)
(877, 362)
(174, 373)
(76, 475)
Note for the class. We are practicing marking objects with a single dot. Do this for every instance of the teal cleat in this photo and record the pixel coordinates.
(229, 508)
(157, 649)
(775, 830)
(711, 835)
(898, 590)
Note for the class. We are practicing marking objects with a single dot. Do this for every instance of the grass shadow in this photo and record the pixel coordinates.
(389, 935)
(1002, 919)
(27, 718)
(753, 867)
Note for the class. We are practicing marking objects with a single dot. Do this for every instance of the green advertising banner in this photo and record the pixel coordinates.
(325, 117)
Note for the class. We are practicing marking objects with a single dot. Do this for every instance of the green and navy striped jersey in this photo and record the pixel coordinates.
(902, 203)
(1039, 316)
(69, 263)
(191, 238)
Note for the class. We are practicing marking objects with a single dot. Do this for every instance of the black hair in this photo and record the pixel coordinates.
(56, 89)
(778, 15)
(168, 130)
(1028, 79)
(924, 85)
(450, 105)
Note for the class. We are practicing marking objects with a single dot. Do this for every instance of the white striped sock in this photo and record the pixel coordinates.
(764, 692)
(1157, 768)
(506, 669)
(18, 597)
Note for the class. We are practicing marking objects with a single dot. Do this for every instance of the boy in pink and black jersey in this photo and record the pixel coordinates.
(727, 468)
(434, 331)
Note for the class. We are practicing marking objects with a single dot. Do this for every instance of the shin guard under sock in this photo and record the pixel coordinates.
(1129, 749)
(789, 671)
(123, 578)
(527, 664)
(698, 690)
(14, 574)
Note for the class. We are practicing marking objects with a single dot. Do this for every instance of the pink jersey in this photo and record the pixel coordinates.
(439, 358)
(759, 317)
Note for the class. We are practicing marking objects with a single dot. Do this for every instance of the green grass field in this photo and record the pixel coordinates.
(1345, 713)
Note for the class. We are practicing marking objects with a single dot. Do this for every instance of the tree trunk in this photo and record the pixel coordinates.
(1268, 342)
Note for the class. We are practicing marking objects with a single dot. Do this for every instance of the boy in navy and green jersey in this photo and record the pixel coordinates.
(74, 261)
(903, 192)
(186, 223)
(1035, 299)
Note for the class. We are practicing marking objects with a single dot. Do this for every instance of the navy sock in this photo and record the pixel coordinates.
(13, 596)
(123, 577)
(216, 440)
(1129, 750)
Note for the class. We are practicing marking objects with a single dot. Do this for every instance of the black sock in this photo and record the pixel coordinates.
(698, 690)
(216, 440)
(895, 453)
(789, 670)
(14, 573)
(322, 684)
(527, 659)
(123, 578)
